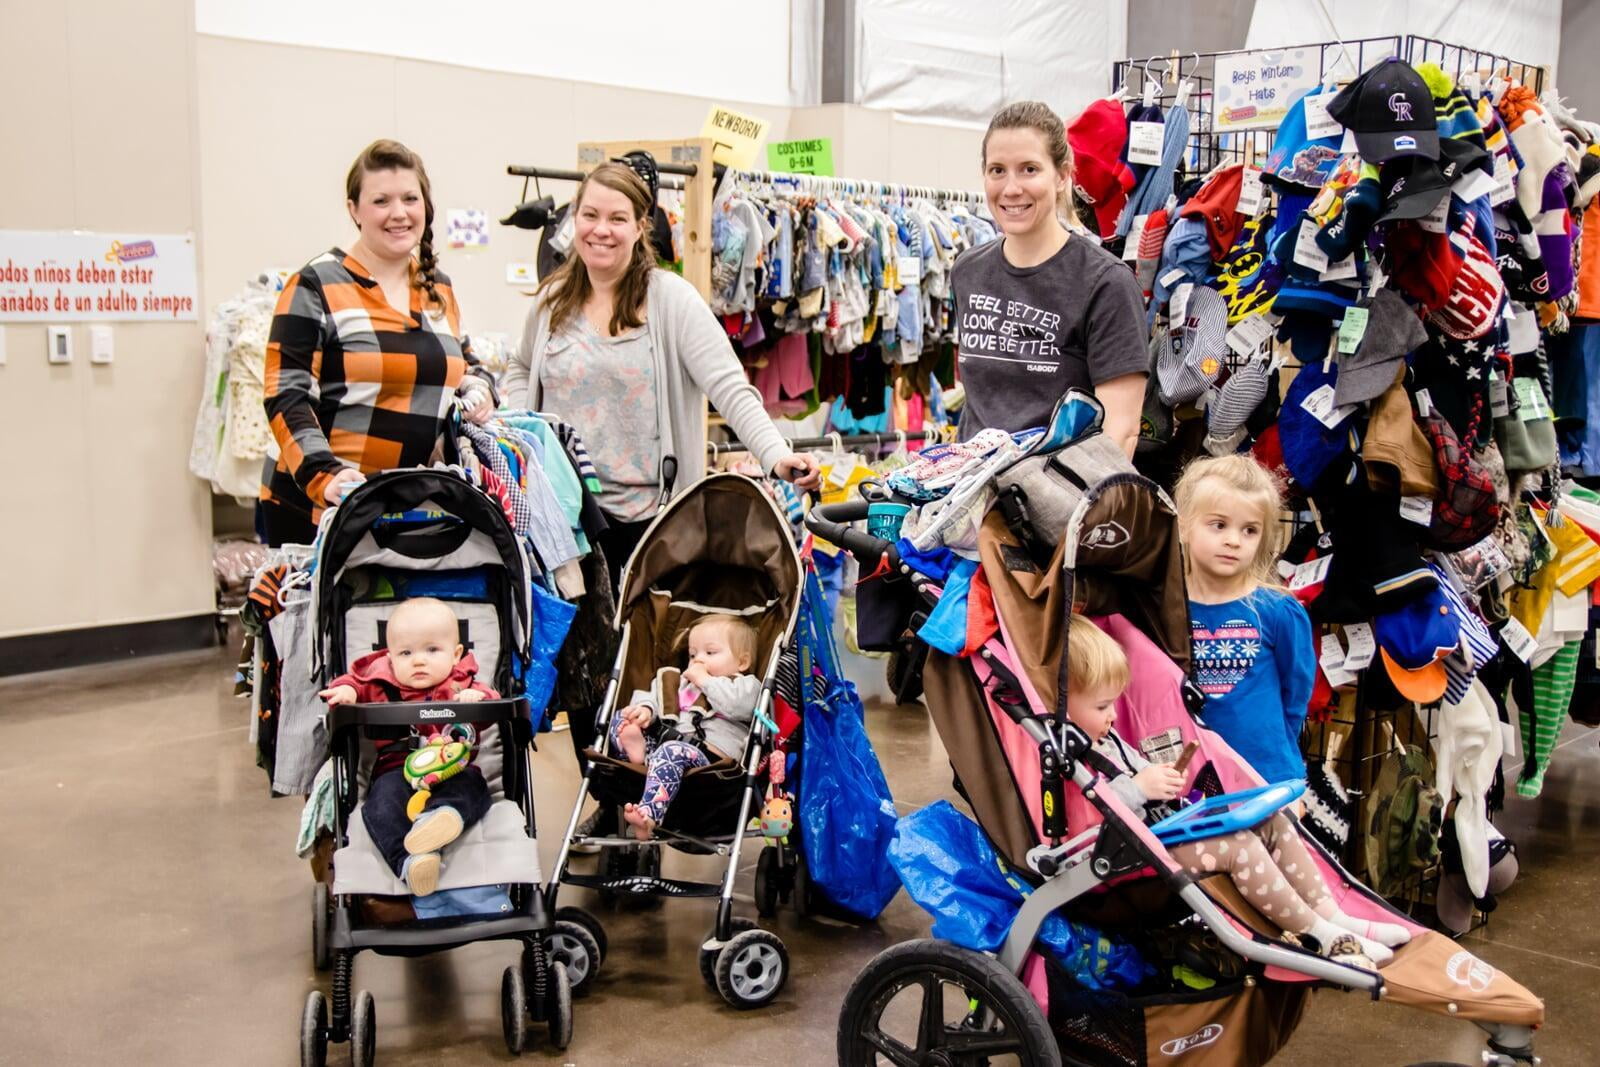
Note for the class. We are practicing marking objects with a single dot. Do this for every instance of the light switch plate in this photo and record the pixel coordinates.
(59, 341)
(101, 346)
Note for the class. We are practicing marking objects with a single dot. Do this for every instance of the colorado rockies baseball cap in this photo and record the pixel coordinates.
(1390, 111)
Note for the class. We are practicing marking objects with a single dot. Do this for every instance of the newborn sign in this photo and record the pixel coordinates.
(73, 276)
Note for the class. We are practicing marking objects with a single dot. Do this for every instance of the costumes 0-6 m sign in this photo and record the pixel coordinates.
(73, 276)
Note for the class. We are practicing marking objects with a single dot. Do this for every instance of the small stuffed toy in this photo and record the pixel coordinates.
(444, 756)
(777, 817)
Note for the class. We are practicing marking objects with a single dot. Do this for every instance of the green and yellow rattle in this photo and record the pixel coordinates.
(446, 756)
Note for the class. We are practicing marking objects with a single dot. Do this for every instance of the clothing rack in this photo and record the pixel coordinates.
(852, 186)
(564, 174)
(805, 444)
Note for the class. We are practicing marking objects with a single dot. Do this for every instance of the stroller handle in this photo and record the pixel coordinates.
(427, 713)
(830, 522)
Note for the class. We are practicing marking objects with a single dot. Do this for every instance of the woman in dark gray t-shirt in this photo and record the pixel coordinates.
(1043, 310)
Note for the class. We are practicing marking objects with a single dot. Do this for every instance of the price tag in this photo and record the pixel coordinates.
(1332, 657)
(1339, 677)
(1417, 509)
(1531, 403)
(1499, 398)
(1434, 221)
(1173, 277)
(1320, 404)
(1424, 403)
(1178, 306)
(1130, 248)
(1362, 646)
(1474, 183)
(1347, 147)
(908, 269)
(1338, 272)
(1518, 640)
(1509, 740)
(1311, 572)
(1250, 191)
(1523, 331)
(1505, 185)
(1144, 142)
(1319, 123)
(1352, 329)
(1249, 335)
(1306, 252)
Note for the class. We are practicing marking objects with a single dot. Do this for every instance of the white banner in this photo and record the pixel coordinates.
(74, 276)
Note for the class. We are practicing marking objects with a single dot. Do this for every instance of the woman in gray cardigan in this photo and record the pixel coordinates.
(626, 353)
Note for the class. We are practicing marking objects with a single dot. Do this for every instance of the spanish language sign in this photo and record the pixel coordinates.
(74, 276)
(1253, 90)
(802, 157)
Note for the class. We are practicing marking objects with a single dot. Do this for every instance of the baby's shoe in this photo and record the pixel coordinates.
(1347, 949)
(434, 829)
(421, 873)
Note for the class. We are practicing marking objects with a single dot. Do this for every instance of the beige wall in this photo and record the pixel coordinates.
(120, 116)
(102, 523)
(272, 175)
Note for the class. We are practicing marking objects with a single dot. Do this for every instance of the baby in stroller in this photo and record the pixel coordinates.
(716, 701)
(425, 660)
(1268, 864)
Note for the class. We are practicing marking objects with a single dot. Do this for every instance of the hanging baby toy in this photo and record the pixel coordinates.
(777, 814)
(442, 756)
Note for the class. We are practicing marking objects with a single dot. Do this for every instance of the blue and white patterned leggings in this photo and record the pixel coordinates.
(665, 765)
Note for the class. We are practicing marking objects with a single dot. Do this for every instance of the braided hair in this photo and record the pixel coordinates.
(385, 154)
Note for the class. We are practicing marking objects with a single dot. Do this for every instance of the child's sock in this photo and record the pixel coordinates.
(421, 873)
(434, 829)
(1327, 932)
(1389, 934)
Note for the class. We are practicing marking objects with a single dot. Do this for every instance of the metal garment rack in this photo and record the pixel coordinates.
(1209, 147)
(847, 440)
(807, 183)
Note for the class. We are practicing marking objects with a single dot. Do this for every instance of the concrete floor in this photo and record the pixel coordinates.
(160, 917)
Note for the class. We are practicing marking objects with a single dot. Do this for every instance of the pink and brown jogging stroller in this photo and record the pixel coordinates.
(1035, 787)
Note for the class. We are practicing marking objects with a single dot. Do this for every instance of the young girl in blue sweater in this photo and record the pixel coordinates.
(1252, 640)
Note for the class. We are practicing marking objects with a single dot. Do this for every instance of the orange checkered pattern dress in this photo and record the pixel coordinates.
(352, 381)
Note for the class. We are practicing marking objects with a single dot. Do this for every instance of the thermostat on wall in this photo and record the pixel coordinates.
(60, 343)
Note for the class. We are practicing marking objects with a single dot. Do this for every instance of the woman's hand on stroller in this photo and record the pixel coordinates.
(1160, 781)
(801, 469)
(338, 694)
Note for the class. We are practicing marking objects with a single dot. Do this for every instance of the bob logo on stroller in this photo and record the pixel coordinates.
(1466, 969)
(1106, 535)
(1206, 1035)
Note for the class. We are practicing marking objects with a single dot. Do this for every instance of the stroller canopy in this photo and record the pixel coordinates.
(723, 546)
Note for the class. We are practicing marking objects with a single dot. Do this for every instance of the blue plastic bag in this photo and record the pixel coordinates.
(552, 618)
(847, 814)
(950, 869)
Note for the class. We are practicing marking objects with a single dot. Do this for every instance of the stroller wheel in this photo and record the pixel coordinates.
(314, 1031)
(558, 1007)
(751, 969)
(321, 954)
(363, 1031)
(768, 882)
(514, 1010)
(572, 946)
(933, 1002)
(588, 922)
(710, 947)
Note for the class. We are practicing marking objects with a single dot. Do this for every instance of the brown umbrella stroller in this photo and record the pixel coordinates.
(722, 547)
(1033, 784)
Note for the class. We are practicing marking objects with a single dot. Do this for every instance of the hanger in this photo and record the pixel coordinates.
(1185, 82)
(1152, 88)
